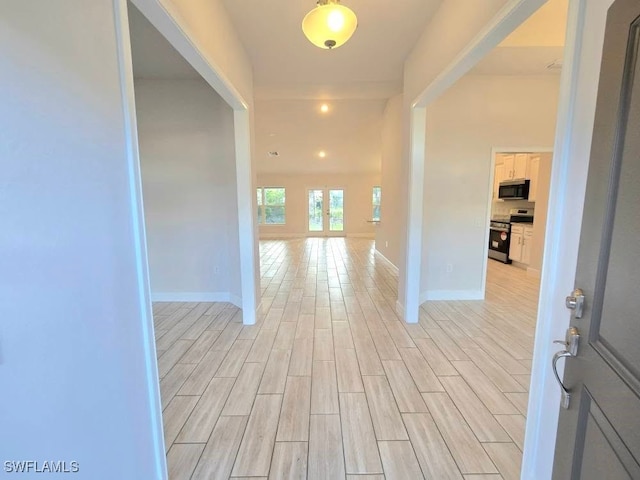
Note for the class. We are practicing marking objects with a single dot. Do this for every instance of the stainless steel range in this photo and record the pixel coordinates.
(499, 239)
(500, 232)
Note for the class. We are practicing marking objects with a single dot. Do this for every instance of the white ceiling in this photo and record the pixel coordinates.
(292, 77)
(373, 58)
(349, 134)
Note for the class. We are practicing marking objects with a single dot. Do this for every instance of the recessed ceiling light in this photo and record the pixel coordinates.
(322, 154)
(324, 108)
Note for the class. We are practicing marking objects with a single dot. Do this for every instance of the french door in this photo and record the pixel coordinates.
(325, 215)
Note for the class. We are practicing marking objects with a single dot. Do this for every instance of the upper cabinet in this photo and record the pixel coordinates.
(516, 165)
(521, 166)
(534, 169)
(499, 176)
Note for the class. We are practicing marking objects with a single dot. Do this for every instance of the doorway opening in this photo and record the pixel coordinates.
(518, 208)
(195, 176)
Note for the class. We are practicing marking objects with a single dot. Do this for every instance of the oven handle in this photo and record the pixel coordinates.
(499, 229)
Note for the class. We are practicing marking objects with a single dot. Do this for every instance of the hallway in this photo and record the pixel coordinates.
(331, 383)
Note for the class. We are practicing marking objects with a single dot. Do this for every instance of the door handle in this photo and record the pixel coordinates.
(571, 343)
(565, 399)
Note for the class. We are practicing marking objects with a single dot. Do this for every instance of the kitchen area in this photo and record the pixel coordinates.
(519, 209)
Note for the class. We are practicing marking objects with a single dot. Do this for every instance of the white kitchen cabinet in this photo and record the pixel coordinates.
(521, 242)
(520, 166)
(534, 169)
(516, 165)
(527, 242)
(508, 161)
(499, 176)
(515, 246)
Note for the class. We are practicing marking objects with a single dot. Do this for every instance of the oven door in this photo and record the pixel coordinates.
(499, 244)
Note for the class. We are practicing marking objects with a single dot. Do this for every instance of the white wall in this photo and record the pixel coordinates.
(479, 112)
(540, 219)
(77, 358)
(187, 155)
(393, 202)
(358, 191)
(349, 134)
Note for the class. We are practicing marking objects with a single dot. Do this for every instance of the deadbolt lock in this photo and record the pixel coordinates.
(575, 302)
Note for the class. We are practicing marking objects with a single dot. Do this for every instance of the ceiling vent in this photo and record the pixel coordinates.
(273, 154)
(555, 65)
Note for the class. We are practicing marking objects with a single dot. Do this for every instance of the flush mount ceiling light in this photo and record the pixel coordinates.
(330, 24)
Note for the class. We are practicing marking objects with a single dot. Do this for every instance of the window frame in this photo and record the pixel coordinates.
(261, 198)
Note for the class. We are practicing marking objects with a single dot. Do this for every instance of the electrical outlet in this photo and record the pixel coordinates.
(216, 270)
(386, 243)
(449, 267)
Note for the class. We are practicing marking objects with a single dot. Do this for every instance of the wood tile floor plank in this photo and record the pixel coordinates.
(359, 440)
(385, 415)
(399, 461)
(254, 456)
(220, 452)
(289, 461)
(182, 460)
(464, 446)
(326, 459)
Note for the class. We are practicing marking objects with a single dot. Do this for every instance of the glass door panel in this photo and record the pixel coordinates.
(336, 210)
(316, 211)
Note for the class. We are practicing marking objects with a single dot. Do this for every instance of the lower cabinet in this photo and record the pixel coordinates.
(521, 240)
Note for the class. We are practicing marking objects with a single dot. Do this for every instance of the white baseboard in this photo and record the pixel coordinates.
(197, 297)
(388, 262)
(270, 236)
(371, 236)
(451, 295)
(534, 272)
(235, 299)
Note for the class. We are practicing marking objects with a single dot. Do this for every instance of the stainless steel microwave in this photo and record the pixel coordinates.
(514, 190)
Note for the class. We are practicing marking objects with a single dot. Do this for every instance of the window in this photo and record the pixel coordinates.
(377, 192)
(271, 205)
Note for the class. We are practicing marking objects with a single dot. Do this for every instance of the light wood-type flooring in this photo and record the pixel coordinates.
(331, 384)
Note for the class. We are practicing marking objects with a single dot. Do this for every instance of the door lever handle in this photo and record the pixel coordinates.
(571, 343)
(566, 393)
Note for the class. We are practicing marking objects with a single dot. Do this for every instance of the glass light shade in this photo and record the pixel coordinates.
(329, 25)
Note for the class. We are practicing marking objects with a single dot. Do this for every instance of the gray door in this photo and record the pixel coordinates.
(599, 435)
